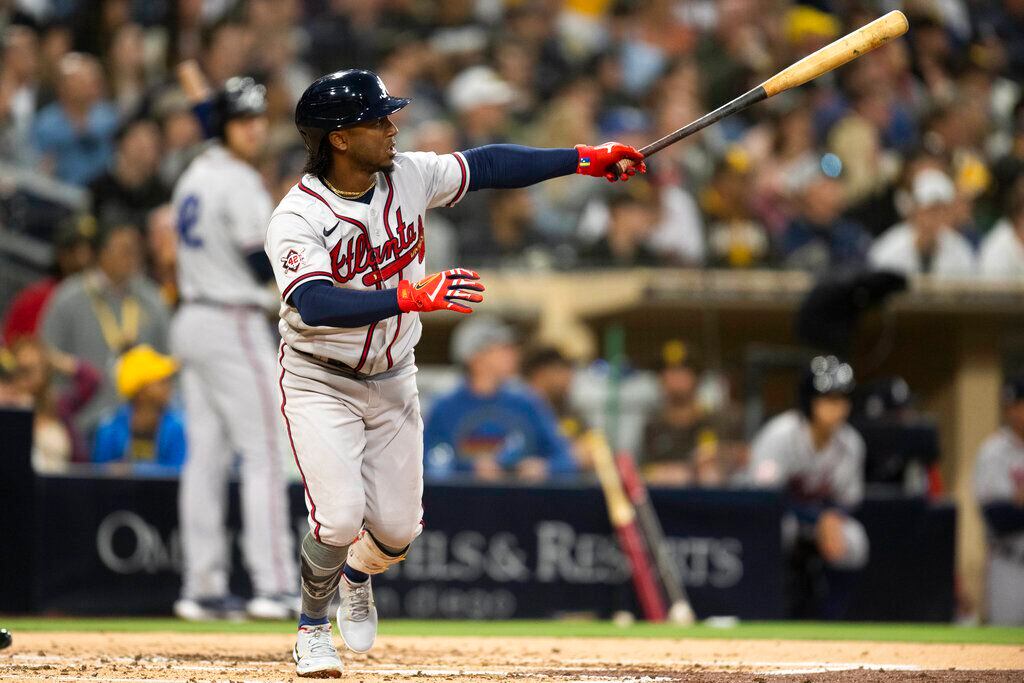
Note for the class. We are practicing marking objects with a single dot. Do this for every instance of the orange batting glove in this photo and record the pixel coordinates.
(441, 292)
(600, 161)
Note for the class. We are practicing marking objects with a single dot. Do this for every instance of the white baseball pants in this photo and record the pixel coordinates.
(1005, 590)
(227, 380)
(359, 448)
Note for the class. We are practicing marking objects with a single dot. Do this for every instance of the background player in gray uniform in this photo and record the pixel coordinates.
(347, 247)
(814, 456)
(999, 487)
(222, 337)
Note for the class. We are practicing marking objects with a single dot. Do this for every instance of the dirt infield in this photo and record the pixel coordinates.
(124, 657)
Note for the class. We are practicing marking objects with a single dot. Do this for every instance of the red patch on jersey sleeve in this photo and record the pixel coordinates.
(293, 260)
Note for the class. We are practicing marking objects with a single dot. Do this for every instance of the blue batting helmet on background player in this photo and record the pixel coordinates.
(240, 97)
(824, 376)
(341, 99)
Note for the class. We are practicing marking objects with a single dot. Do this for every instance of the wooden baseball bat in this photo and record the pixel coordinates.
(622, 515)
(192, 81)
(680, 611)
(835, 54)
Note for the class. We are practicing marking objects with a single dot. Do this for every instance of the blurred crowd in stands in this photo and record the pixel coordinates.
(906, 158)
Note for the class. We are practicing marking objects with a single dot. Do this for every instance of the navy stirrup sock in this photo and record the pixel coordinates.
(354, 575)
(309, 621)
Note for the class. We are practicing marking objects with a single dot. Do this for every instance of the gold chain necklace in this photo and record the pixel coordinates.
(348, 195)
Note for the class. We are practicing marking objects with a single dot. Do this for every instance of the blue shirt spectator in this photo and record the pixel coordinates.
(75, 134)
(145, 431)
(842, 242)
(509, 426)
(489, 425)
(116, 443)
(820, 239)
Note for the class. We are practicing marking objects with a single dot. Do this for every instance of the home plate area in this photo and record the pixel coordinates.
(194, 657)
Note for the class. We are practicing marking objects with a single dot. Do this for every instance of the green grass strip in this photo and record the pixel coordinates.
(911, 633)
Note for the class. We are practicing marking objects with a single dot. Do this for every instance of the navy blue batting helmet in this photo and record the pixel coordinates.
(1013, 389)
(341, 99)
(240, 97)
(825, 376)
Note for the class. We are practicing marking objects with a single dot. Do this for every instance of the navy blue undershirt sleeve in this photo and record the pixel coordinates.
(203, 111)
(806, 513)
(508, 166)
(320, 304)
(1004, 518)
(260, 266)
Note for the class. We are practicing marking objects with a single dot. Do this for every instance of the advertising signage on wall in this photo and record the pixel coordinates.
(94, 544)
(486, 552)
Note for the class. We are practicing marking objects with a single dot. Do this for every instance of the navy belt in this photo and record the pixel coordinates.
(336, 365)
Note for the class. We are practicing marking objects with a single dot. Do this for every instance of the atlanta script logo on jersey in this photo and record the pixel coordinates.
(294, 259)
(356, 256)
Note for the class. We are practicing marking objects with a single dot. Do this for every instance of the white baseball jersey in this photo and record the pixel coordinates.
(1002, 253)
(999, 474)
(998, 478)
(782, 455)
(221, 211)
(316, 235)
(226, 350)
(895, 249)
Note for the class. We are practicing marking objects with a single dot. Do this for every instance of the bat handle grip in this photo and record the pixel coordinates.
(647, 150)
(621, 166)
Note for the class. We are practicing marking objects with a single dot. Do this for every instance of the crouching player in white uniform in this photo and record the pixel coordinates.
(347, 247)
(222, 337)
(817, 459)
(999, 487)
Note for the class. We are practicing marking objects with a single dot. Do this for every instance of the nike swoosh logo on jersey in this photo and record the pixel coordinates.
(327, 233)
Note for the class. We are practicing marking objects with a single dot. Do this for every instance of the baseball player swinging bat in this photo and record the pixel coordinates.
(835, 54)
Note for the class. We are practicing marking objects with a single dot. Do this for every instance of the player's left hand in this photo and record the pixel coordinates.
(441, 292)
(532, 469)
(486, 468)
(829, 535)
(600, 161)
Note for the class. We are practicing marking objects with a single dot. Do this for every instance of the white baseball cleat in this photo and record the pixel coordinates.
(281, 606)
(314, 653)
(357, 616)
(224, 608)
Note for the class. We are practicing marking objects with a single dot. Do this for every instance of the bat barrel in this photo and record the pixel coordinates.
(833, 55)
(839, 52)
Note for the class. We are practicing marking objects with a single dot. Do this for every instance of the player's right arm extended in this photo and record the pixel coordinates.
(512, 166)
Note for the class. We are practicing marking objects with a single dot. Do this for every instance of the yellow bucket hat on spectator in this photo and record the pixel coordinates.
(738, 159)
(8, 364)
(674, 353)
(593, 8)
(803, 21)
(972, 176)
(140, 366)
